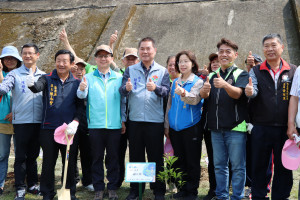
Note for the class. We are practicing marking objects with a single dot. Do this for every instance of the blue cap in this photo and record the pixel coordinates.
(10, 51)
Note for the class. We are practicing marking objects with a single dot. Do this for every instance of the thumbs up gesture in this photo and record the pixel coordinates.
(83, 84)
(178, 90)
(150, 85)
(205, 71)
(206, 86)
(249, 88)
(219, 82)
(128, 85)
(30, 78)
(113, 38)
(250, 60)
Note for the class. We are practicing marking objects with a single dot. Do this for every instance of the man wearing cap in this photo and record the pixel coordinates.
(146, 84)
(226, 115)
(104, 120)
(60, 105)
(269, 87)
(83, 137)
(27, 115)
(130, 57)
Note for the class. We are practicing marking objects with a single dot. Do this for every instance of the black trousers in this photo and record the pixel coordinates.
(147, 136)
(122, 154)
(101, 140)
(266, 139)
(248, 166)
(26, 152)
(211, 169)
(86, 159)
(50, 154)
(187, 145)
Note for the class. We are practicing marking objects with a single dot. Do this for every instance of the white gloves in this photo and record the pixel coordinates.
(72, 128)
(30, 78)
(249, 127)
(297, 139)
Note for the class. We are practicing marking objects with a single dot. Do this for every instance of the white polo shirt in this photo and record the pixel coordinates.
(295, 91)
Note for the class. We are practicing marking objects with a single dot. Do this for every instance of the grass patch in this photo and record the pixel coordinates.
(83, 194)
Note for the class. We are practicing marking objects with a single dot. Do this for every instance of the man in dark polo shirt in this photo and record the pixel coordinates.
(226, 115)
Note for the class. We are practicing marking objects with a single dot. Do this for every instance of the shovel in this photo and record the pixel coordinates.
(63, 193)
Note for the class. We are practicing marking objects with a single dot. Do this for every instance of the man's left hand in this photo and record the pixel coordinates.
(290, 131)
(123, 130)
(150, 85)
(219, 82)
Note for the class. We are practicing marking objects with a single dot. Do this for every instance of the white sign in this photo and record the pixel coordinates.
(140, 172)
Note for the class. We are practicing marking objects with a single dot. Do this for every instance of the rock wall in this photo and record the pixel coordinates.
(175, 25)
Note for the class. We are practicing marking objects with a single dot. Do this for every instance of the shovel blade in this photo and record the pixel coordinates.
(63, 194)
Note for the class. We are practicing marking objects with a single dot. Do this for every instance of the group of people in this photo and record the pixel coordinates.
(105, 106)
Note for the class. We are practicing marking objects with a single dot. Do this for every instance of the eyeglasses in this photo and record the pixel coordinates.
(28, 53)
(183, 62)
(103, 56)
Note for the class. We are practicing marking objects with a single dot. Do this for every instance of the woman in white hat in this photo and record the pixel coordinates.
(9, 60)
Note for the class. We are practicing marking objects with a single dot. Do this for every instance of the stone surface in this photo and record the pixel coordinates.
(175, 26)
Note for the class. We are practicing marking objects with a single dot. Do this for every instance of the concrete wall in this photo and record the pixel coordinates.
(194, 25)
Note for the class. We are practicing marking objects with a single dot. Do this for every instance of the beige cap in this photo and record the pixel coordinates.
(130, 52)
(103, 47)
(79, 60)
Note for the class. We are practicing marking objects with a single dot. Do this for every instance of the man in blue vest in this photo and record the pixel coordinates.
(146, 84)
(60, 105)
(27, 116)
(130, 57)
(101, 88)
(268, 89)
(226, 115)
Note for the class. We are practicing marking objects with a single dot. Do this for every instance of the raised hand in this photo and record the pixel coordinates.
(206, 86)
(249, 90)
(250, 60)
(113, 38)
(83, 84)
(150, 85)
(205, 71)
(219, 82)
(63, 35)
(178, 90)
(30, 78)
(128, 85)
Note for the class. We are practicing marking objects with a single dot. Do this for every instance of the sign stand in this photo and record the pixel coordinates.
(140, 191)
(140, 173)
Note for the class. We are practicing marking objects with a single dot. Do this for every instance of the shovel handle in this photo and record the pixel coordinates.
(66, 160)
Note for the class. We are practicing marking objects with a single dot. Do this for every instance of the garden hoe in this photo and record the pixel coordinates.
(63, 193)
